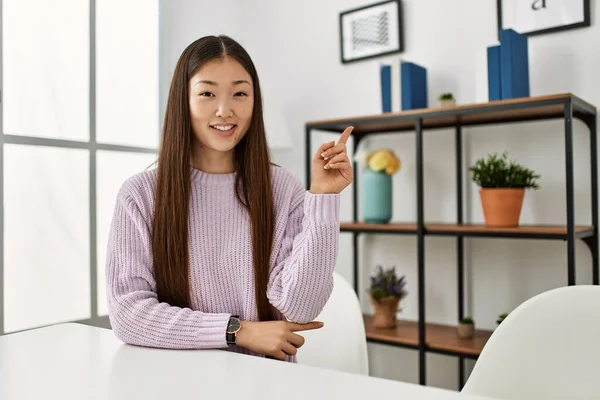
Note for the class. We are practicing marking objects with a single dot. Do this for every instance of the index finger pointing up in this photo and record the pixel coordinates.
(346, 134)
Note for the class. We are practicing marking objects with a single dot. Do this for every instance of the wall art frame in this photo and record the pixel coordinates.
(371, 31)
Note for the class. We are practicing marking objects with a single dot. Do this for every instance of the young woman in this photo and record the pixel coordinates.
(217, 247)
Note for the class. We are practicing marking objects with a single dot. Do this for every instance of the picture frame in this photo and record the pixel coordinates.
(537, 17)
(373, 30)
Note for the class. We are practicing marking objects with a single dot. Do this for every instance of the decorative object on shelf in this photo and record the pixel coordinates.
(466, 327)
(508, 67)
(403, 86)
(386, 291)
(502, 186)
(413, 81)
(501, 318)
(494, 76)
(376, 184)
(371, 31)
(447, 100)
(535, 17)
(385, 75)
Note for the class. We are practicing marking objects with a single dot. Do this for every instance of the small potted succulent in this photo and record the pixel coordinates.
(466, 327)
(386, 290)
(501, 318)
(447, 100)
(502, 184)
(376, 183)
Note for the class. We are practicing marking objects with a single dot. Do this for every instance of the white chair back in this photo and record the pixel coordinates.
(341, 343)
(547, 348)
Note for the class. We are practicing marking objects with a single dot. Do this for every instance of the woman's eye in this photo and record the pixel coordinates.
(206, 94)
(241, 94)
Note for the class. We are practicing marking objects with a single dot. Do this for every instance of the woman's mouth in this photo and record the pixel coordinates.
(223, 129)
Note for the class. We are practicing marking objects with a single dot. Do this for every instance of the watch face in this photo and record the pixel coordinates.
(234, 325)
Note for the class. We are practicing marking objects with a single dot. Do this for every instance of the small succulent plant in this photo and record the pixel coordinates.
(501, 318)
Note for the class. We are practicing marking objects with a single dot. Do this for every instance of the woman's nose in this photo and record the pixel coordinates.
(224, 110)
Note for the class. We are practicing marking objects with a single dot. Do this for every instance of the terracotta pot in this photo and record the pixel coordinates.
(502, 207)
(385, 312)
(466, 330)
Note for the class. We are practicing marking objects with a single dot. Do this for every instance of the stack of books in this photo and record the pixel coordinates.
(411, 78)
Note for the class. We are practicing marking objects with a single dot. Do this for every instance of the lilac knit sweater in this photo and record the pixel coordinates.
(221, 269)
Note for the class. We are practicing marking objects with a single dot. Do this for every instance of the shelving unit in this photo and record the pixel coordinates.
(436, 338)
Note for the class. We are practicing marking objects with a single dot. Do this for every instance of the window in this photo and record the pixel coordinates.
(79, 116)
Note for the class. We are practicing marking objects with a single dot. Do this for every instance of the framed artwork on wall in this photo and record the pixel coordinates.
(371, 31)
(536, 17)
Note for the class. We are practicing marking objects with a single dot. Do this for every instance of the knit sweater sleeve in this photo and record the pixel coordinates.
(137, 316)
(302, 279)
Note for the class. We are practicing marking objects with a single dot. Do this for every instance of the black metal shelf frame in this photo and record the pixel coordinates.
(572, 108)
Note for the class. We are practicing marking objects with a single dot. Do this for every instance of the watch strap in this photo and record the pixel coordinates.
(229, 336)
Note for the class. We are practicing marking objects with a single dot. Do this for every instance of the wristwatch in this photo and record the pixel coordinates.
(233, 327)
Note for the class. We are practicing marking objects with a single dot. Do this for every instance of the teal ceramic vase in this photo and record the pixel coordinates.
(376, 197)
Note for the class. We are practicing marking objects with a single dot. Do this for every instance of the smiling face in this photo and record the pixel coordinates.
(221, 104)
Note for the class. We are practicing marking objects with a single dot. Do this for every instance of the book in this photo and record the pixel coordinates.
(493, 67)
(514, 64)
(413, 81)
(386, 87)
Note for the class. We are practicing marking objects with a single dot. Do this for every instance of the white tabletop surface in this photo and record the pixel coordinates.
(75, 362)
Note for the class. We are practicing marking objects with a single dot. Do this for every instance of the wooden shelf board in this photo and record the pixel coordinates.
(510, 110)
(391, 227)
(445, 338)
(558, 231)
(438, 337)
(406, 333)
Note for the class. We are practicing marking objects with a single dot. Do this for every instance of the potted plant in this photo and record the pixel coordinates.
(447, 100)
(386, 290)
(466, 327)
(501, 318)
(376, 185)
(502, 184)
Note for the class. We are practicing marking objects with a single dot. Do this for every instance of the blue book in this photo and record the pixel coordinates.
(414, 86)
(493, 66)
(514, 64)
(386, 88)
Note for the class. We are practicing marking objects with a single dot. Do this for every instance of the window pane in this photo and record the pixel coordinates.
(112, 169)
(46, 68)
(47, 244)
(127, 72)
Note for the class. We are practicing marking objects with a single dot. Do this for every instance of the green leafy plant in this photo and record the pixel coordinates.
(386, 283)
(446, 96)
(501, 318)
(500, 172)
(467, 320)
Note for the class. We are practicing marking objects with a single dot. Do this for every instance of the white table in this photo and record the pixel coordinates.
(75, 362)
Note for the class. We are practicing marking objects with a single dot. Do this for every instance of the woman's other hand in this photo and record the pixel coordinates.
(273, 338)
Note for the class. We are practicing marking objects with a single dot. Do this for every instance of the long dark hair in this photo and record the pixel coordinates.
(170, 248)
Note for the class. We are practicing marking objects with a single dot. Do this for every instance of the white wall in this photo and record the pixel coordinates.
(296, 45)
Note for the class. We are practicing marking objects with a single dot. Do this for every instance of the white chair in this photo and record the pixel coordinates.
(341, 343)
(547, 348)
